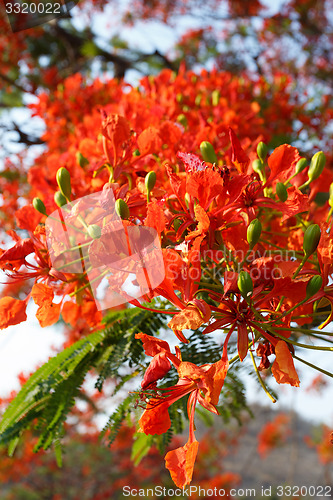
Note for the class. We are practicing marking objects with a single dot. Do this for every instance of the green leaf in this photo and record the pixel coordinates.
(141, 447)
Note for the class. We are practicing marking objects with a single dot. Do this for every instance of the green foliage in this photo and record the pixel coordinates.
(115, 354)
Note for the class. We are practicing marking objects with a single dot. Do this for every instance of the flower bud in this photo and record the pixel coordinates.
(81, 160)
(330, 200)
(64, 182)
(94, 231)
(245, 284)
(208, 152)
(311, 239)
(150, 180)
(314, 286)
(198, 99)
(122, 209)
(258, 166)
(182, 120)
(215, 97)
(281, 191)
(253, 232)
(39, 206)
(59, 199)
(262, 151)
(301, 165)
(317, 165)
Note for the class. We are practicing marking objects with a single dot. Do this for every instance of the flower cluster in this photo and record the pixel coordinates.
(245, 239)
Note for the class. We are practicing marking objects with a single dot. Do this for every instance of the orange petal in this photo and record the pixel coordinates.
(282, 160)
(203, 223)
(48, 314)
(155, 217)
(12, 312)
(180, 463)
(149, 141)
(152, 345)
(239, 158)
(155, 420)
(283, 367)
(42, 294)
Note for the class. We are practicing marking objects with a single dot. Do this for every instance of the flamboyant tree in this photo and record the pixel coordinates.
(180, 204)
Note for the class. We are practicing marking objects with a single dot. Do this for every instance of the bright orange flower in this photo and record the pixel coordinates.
(202, 383)
(283, 367)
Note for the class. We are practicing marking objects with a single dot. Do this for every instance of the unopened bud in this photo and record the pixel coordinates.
(81, 160)
(314, 286)
(39, 206)
(281, 191)
(215, 97)
(311, 239)
(330, 200)
(208, 152)
(94, 231)
(59, 199)
(122, 209)
(301, 165)
(245, 284)
(253, 232)
(262, 151)
(317, 165)
(257, 166)
(182, 120)
(64, 182)
(150, 180)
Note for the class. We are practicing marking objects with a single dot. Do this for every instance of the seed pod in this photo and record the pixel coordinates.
(39, 206)
(262, 151)
(311, 239)
(301, 165)
(122, 209)
(59, 199)
(281, 191)
(64, 182)
(245, 284)
(257, 166)
(215, 97)
(208, 152)
(253, 232)
(94, 231)
(150, 181)
(317, 165)
(81, 160)
(314, 286)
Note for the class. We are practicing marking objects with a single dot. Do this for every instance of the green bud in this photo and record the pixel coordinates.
(330, 201)
(59, 199)
(208, 152)
(150, 180)
(281, 191)
(245, 284)
(64, 182)
(253, 232)
(198, 99)
(94, 231)
(136, 153)
(215, 97)
(182, 120)
(262, 151)
(314, 286)
(176, 224)
(301, 165)
(39, 206)
(317, 165)
(311, 239)
(81, 160)
(179, 98)
(257, 166)
(122, 209)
